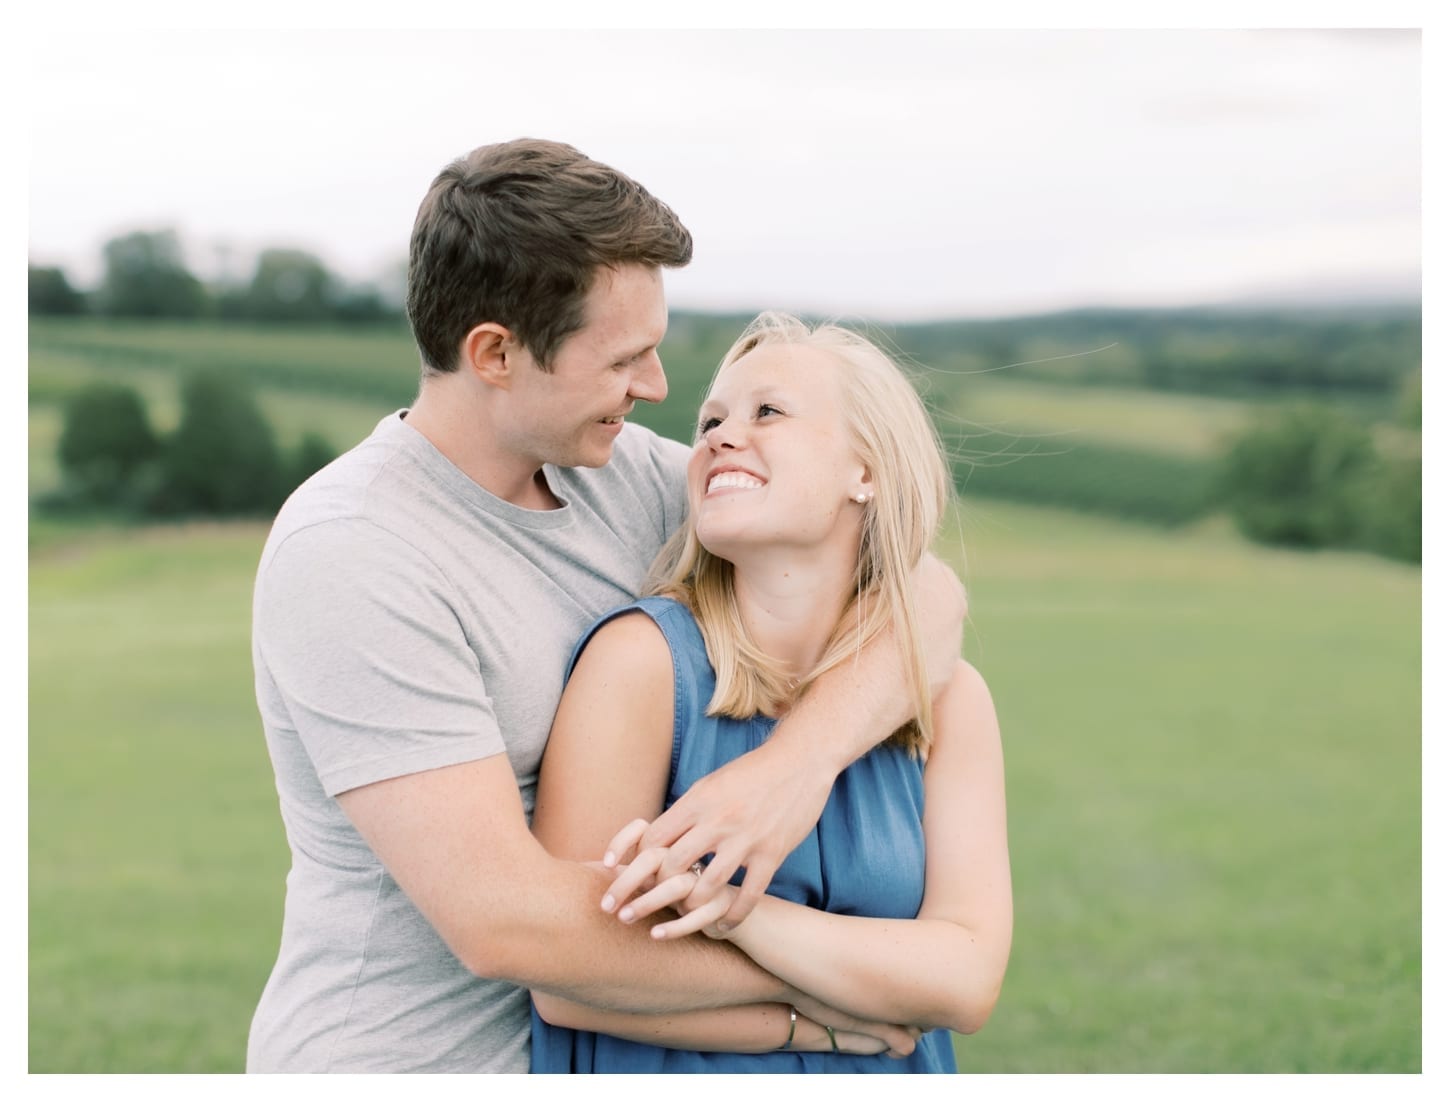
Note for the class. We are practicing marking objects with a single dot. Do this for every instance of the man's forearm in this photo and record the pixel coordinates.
(558, 940)
(848, 710)
(857, 705)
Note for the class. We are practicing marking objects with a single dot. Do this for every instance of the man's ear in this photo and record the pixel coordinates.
(487, 350)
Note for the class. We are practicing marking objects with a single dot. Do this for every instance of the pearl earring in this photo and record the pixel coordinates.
(860, 499)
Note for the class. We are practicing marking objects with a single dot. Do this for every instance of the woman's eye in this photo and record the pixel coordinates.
(764, 410)
(706, 425)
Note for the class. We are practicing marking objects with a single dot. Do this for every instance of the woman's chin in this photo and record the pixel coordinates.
(722, 542)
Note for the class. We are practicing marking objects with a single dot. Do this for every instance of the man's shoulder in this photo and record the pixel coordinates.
(344, 492)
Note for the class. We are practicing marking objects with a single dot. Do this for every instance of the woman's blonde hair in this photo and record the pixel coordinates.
(894, 438)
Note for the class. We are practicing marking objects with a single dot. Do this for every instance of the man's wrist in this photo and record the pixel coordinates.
(817, 747)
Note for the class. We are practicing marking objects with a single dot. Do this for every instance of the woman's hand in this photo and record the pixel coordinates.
(853, 1035)
(699, 904)
(749, 813)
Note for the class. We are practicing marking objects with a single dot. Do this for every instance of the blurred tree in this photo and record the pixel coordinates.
(223, 456)
(146, 277)
(51, 293)
(290, 285)
(362, 303)
(1410, 414)
(1391, 508)
(105, 439)
(1298, 477)
(313, 452)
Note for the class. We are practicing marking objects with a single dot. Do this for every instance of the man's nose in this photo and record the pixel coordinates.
(649, 383)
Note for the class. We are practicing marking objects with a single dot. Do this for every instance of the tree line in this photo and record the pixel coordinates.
(1372, 352)
(223, 458)
(1309, 476)
(1355, 351)
(145, 275)
(1306, 476)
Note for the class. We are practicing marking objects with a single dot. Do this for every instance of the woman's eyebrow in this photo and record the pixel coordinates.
(771, 391)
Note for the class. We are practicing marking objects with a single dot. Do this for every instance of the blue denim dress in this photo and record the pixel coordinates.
(866, 856)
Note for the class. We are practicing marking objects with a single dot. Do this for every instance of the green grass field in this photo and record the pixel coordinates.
(1213, 758)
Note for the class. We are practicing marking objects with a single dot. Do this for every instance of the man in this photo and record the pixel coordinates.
(415, 606)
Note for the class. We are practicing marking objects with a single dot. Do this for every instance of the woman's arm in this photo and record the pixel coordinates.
(608, 753)
(763, 1027)
(607, 761)
(945, 967)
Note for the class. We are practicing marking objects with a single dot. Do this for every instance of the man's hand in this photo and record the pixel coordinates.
(750, 812)
(941, 609)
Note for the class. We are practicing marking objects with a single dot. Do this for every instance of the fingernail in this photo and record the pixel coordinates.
(610, 860)
(607, 903)
(627, 915)
(657, 932)
(726, 927)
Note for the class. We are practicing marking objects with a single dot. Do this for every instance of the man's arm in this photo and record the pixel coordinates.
(358, 631)
(753, 811)
(456, 841)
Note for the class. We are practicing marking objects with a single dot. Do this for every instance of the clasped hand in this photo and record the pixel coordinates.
(639, 890)
(642, 887)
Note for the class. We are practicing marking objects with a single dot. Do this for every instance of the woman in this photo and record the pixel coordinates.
(816, 484)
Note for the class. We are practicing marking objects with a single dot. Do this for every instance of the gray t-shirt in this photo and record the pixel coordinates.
(406, 619)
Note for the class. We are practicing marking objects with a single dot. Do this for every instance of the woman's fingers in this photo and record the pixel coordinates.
(633, 877)
(861, 1044)
(671, 890)
(701, 918)
(621, 846)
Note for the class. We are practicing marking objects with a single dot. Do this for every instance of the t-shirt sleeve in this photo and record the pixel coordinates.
(357, 632)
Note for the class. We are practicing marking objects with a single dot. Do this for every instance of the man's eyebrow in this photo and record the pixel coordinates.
(635, 353)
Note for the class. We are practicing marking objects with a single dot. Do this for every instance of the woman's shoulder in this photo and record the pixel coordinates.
(963, 712)
(659, 629)
(625, 648)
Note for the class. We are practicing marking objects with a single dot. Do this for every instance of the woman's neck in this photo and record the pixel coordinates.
(790, 604)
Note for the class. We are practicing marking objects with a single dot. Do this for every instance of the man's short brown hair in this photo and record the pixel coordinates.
(515, 233)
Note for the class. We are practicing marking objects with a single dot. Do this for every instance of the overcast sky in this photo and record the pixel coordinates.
(893, 174)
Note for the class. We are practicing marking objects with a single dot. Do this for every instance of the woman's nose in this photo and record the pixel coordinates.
(723, 435)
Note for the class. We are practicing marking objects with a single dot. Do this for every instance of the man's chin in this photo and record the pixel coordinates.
(589, 457)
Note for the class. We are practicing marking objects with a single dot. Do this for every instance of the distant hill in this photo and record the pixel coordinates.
(1365, 348)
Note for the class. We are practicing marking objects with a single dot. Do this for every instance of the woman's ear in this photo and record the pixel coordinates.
(862, 490)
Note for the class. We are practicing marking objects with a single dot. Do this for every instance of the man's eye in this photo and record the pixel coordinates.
(706, 425)
(765, 409)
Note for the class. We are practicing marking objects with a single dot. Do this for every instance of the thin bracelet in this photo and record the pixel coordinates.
(831, 1033)
(793, 1015)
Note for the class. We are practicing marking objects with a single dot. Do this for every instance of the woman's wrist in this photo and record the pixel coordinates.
(794, 1021)
(741, 933)
(810, 1036)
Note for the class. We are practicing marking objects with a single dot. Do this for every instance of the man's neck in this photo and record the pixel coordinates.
(460, 427)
